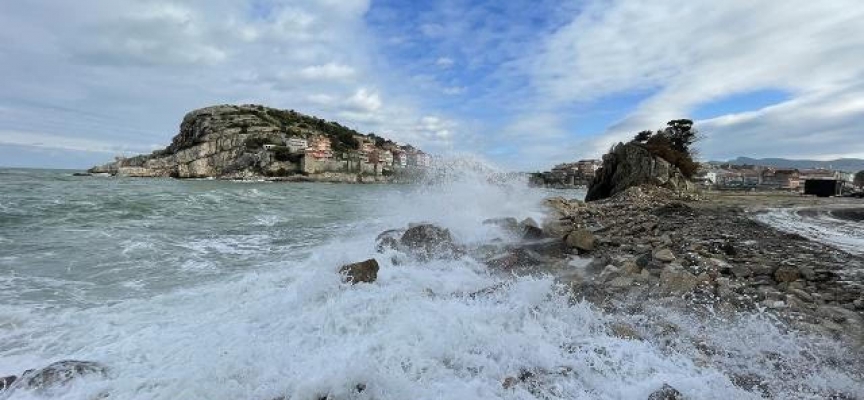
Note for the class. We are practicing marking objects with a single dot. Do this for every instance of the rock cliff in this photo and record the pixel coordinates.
(249, 141)
(629, 165)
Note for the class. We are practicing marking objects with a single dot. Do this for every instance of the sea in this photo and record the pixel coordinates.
(206, 289)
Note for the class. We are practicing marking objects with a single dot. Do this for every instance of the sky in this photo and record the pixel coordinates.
(523, 84)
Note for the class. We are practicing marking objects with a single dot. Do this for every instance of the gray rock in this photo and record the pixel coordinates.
(666, 392)
(509, 224)
(741, 271)
(7, 381)
(581, 239)
(58, 374)
(675, 281)
(388, 240)
(364, 271)
(664, 255)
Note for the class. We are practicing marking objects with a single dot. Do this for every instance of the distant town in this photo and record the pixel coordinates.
(717, 175)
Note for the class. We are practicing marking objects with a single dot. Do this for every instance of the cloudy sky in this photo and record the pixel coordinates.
(525, 84)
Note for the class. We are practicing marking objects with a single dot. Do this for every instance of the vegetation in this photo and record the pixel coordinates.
(858, 180)
(673, 144)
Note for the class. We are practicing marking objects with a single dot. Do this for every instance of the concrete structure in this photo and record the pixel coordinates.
(297, 144)
(400, 158)
(780, 178)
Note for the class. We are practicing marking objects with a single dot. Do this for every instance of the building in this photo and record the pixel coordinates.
(319, 147)
(422, 159)
(400, 158)
(781, 178)
(297, 144)
(588, 168)
(819, 173)
(383, 157)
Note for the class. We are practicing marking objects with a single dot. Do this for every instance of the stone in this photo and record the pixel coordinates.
(58, 374)
(581, 239)
(624, 331)
(664, 255)
(802, 295)
(786, 273)
(630, 268)
(666, 392)
(7, 381)
(532, 233)
(741, 271)
(388, 240)
(674, 281)
(427, 241)
(621, 282)
(364, 271)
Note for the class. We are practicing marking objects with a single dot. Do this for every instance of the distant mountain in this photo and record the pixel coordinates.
(841, 164)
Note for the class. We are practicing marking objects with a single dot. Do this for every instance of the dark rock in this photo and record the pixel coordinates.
(427, 241)
(59, 373)
(7, 381)
(365, 271)
(629, 165)
(666, 393)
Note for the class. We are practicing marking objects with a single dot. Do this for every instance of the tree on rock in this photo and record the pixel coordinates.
(673, 144)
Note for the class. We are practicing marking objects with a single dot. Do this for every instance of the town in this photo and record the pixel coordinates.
(714, 175)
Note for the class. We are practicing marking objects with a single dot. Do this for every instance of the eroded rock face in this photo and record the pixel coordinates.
(364, 271)
(666, 392)
(629, 165)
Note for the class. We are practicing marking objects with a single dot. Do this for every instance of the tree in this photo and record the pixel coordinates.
(859, 179)
(643, 136)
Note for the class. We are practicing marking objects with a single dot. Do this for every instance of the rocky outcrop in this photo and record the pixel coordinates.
(228, 141)
(54, 375)
(628, 165)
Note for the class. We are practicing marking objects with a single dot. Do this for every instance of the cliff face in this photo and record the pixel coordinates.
(628, 165)
(227, 141)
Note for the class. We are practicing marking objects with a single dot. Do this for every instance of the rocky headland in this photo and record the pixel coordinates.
(257, 142)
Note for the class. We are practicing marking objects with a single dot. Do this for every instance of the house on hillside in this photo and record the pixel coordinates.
(297, 144)
(319, 148)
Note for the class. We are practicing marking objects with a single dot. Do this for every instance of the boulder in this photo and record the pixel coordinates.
(364, 271)
(664, 255)
(58, 374)
(508, 224)
(786, 273)
(628, 165)
(388, 240)
(427, 241)
(666, 392)
(676, 281)
(581, 239)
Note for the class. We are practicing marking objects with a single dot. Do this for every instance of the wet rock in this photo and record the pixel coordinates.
(664, 255)
(364, 271)
(786, 273)
(675, 281)
(666, 392)
(581, 239)
(741, 271)
(59, 373)
(630, 268)
(630, 165)
(557, 228)
(751, 383)
(427, 241)
(624, 331)
(7, 381)
(388, 240)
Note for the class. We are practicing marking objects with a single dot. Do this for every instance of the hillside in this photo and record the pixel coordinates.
(230, 141)
(842, 164)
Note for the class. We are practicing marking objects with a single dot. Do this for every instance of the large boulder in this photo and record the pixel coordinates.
(364, 271)
(426, 242)
(628, 165)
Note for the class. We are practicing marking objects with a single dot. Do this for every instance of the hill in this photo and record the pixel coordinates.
(841, 164)
(248, 141)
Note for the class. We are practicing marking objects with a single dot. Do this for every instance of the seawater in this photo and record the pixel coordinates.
(229, 290)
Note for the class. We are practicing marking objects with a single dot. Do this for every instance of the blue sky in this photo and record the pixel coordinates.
(524, 84)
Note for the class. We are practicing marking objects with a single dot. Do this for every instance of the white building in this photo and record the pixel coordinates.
(297, 144)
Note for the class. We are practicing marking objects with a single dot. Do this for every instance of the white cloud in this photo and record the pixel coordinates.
(690, 53)
(329, 71)
(444, 62)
